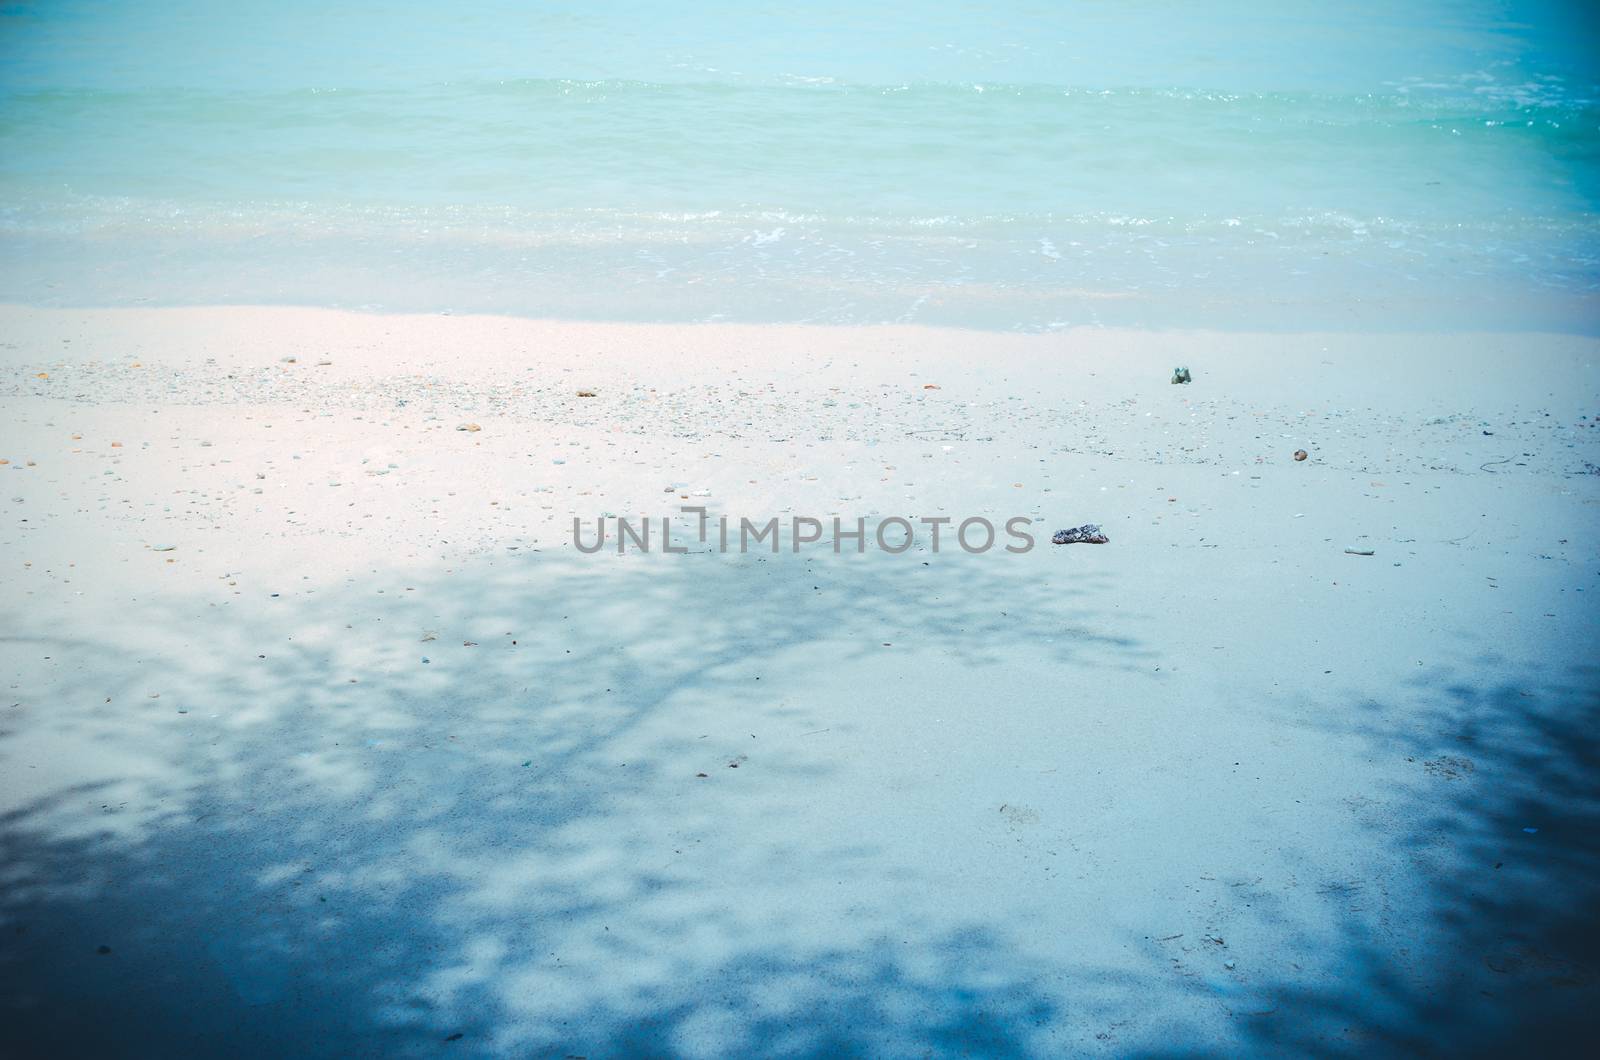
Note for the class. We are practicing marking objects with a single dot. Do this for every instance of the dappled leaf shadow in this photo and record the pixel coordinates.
(663, 806)
(545, 804)
(1501, 828)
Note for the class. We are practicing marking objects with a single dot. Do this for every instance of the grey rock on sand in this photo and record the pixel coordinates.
(1087, 534)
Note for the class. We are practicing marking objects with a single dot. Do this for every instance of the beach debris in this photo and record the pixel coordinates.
(469, 427)
(931, 386)
(1359, 552)
(289, 360)
(1180, 375)
(1300, 454)
(163, 548)
(1449, 767)
(587, 393)
(1087, 534)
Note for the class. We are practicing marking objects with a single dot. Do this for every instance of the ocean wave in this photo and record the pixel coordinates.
(1462, 95)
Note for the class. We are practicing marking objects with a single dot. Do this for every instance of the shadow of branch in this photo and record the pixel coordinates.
(498, 808)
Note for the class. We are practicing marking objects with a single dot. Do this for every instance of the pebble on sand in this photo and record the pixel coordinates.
(1087, 534)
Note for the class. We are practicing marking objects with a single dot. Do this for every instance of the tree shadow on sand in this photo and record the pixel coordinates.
(672, 806)
(541, 806)
(1500, 829)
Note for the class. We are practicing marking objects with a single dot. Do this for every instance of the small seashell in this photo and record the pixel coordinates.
(469, 427)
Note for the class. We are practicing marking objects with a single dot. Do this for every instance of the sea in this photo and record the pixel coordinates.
(1282, 165)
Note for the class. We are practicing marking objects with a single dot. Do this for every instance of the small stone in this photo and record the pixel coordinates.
(1180, 375)
(1300, 454)
(469, 427)
(1087, 534)
(586, 393)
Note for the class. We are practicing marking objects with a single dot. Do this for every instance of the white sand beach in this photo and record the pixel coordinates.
(321, 738)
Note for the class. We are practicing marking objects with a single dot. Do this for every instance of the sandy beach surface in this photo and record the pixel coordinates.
(319, 737)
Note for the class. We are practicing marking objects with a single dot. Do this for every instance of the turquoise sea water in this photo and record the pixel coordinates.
(1021, 165)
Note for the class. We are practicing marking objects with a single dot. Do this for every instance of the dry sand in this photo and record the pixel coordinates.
(315, 720)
